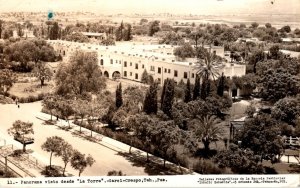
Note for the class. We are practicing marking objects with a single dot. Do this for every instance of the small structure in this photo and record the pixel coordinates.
(100, 36)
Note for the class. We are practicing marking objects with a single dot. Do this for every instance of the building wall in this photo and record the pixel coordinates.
(131, 64)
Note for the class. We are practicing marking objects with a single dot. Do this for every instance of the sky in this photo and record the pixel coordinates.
(200, 7)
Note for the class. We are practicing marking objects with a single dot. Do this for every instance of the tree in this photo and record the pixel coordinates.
(67, 153)
(81, 75)
(1, 27)
(115, 173)
(145, 77)
(208, 130)
(20, 30)
(65, 109)
(287, 110)
(50, 103)
(77, 37)
(278, 84)
(187, 94)
(150, 102)
(241, 161)
(221, 85)
(7, 79)
(153, 27)
(42, 72)
(184, 51)
(119, 99)
(127, 36)
(268, 25)
(196, 91)
(206, 70)
(81, 109)
(274, 52)
(261, 135)
(21, 130)
(54, 31)
(256, 57)
(254, 25)
(167, 98)
(80, 162)
(54, 146)
(164, 136)
(286, 29)
(119, 32)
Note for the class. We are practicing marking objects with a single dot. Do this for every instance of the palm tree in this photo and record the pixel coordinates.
(206, 64)
(208, 130)
(207, 68)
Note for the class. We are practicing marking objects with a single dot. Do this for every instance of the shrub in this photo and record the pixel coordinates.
(206, 167)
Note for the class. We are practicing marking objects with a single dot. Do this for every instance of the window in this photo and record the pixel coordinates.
(120, 62)
(143, 66)
(175, 73)
(165, 70)
(125, 73)
(116, 61)
(185, 75)
(193, 75)
(101, 62)
(159, 70)
(111, 61)
(136, 76)
(130, 73)
(130, 64)
(125, 63)
(214, 52)
(152, 68)
(136, 66)
(169, 70)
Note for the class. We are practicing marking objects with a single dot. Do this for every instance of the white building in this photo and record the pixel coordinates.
(129, 60)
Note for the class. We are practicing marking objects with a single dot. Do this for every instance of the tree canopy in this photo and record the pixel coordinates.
(82, 74)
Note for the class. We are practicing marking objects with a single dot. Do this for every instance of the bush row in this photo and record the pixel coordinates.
(28, 99)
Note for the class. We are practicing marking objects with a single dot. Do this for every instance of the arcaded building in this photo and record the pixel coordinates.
(129, 60)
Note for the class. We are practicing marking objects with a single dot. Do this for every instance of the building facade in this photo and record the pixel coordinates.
(130, 60)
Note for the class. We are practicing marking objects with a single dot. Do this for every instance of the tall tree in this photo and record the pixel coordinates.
(221, 85)
(187, 96)
(168, 97)
(80, 162)
(21, 131)
(127, 36)
(1, 27)
(42, 72)
(67, 153)
(150, 102)
(54, 146)
(54, 31)
(153, 27)
(207, 70)
(196, 91)
(119, 98)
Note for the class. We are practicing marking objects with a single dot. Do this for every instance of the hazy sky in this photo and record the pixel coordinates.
(156, 6)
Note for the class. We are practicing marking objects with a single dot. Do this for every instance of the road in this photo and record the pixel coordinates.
(106, 159)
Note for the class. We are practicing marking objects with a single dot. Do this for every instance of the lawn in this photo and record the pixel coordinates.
(27, 85)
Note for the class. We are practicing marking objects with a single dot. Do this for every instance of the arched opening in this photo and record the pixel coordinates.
(106, 74)
(116, 75)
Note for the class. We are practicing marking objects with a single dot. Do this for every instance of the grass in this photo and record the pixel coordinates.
(27, 86)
